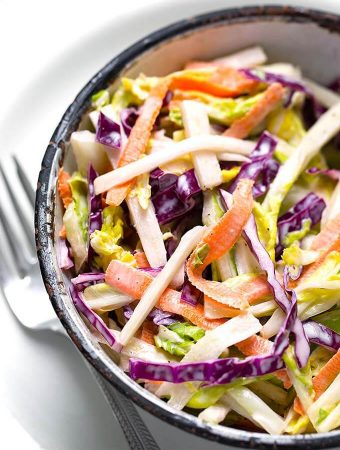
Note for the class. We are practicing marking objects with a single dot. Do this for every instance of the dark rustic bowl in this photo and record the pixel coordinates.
(305, 37)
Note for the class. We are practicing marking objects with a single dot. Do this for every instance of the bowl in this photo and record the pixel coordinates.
(305, 37)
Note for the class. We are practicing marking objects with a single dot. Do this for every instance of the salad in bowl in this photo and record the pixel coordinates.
(202, 226)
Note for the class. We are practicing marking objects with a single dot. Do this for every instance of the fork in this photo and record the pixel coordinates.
(23, 282)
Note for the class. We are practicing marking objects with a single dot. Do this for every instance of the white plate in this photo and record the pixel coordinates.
(43, 381)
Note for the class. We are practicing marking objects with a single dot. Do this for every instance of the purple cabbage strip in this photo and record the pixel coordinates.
(160, 317)
(312, 110)
(331, 173)
(187, 186)
(294, 272)
(184, 224)
(156, 315)
(322, 335)
(96, 321)
(153, 271)
(216, 371)
(310, 207)
(168, 206)
(160, 180)
(108, 132)
(269, 78)
(262, 168)
(95, 219)
(90, 277)
(63, 255)
(335, 85)
(95, 203)
(190, 294)
(127, 312)
(172, 198)
(289, 98)
(280, 296)
(167, 99)
(128, 117)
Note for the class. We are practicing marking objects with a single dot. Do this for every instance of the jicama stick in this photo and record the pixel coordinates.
(196, 123)
(160, 283)
(243, 399)
(325, 96)
(316, 137)
(214, 414)
(149, 232)
(273, 324)
(238, 148)
(333, 207)
(249, 57)
(102, 296)
(87, 150)
(263, 309)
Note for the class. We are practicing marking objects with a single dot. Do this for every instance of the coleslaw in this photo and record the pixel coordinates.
(201, 230)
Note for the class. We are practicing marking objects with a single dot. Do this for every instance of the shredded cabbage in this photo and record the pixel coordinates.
(105, 242)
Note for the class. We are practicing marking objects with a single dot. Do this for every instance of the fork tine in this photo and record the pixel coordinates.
(14, 245)
(28, 229)
(26, 184)
(4, 272)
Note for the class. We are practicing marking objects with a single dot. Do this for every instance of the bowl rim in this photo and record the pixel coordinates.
(44, 222)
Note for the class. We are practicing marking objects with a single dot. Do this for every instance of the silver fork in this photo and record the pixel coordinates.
(24, 291)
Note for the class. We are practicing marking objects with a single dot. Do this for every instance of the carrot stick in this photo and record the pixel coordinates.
(149, 329)
(141, 260)
(139, 138)
(255, 345)
(134, 283)
(228, 229)
(224, 82)
(327, 375)
(64, 188)
(223, 310)
(242, 127)
(298, 407)
(62, 232)
(328, 236)
(252, 290)
(327, 241)
(170, 301)
(217, 242)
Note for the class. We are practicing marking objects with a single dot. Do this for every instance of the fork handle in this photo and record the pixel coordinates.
(134, 429)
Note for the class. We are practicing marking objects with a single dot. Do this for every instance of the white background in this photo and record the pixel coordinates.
(48, 50)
